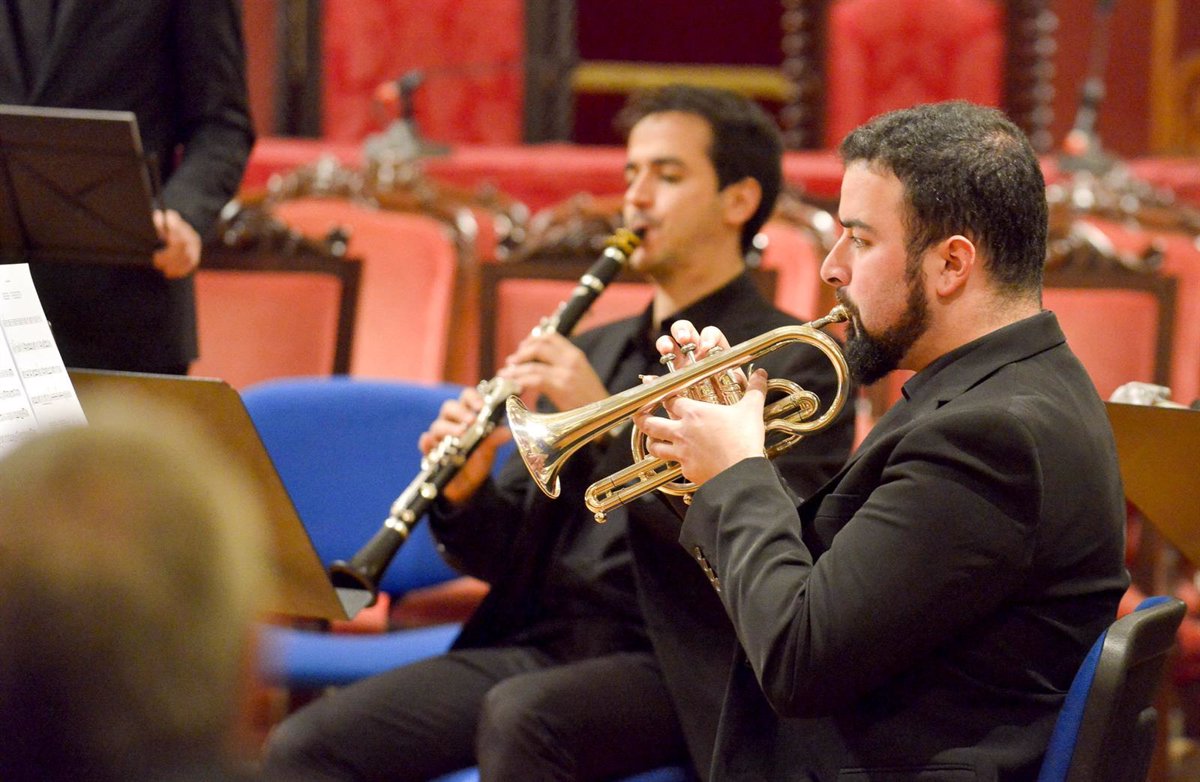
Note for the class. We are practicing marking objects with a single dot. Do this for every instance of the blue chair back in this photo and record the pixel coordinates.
(1106, 729)
(345, 448)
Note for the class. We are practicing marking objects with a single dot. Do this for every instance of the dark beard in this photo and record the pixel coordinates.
(871, 356)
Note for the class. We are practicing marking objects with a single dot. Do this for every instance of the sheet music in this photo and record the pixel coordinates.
(35, 390)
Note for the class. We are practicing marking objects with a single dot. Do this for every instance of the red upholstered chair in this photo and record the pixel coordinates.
(1182, 263)
(881, 55)
(515, 297)
(1120, 224)
(797, 266)
(421, 241)
(1180, 254)
(798, 237)
(889, 54)
(271, 304)
(1119, 324)
(410, 264)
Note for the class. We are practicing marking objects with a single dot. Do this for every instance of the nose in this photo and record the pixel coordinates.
(638, 191)
(834, 269)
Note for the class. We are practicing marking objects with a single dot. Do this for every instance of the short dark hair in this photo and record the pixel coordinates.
(745, 140)
(966, 169)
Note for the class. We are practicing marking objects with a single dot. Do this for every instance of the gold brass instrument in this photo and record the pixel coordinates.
(546, 440)
(357, 581)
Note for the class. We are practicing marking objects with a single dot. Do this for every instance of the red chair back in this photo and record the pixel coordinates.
(796, 262)
(254, 326)
(409, 271)
(891, 54)
(514, 300)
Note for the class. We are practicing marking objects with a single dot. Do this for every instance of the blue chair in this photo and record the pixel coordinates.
(1106, 729)
(344, 449)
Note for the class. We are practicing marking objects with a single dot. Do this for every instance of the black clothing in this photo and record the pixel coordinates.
(923, 614)
(178, 65)
(575, 592)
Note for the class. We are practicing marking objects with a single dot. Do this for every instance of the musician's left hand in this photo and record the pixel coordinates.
(550, 364)
(706, 438)
(181, 255)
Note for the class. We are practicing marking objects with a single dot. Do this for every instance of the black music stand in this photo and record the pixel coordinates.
(1157, 448)
(74, 186)
(303, 589)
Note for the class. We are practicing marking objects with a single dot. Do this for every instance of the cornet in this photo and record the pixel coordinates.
(546, 440)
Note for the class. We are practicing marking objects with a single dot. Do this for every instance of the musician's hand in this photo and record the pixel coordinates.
(549, 364)
(706, 438)
(454, 418)
(684, 333)
(181, 255)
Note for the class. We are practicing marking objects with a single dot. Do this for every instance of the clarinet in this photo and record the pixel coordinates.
(357, 581)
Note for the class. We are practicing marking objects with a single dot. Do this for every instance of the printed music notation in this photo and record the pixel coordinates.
(35, 390)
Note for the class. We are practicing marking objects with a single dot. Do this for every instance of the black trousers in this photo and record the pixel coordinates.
(511, 711)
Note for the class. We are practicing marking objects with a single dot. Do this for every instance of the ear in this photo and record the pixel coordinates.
(956, 263)
(740, 199)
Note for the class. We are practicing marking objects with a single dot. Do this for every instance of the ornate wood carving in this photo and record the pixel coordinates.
(1029, 66)
(803, 58)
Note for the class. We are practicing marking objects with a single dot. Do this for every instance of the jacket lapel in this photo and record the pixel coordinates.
(67, 22)
(14, 82)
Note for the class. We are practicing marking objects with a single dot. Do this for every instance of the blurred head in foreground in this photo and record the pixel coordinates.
(132, 567)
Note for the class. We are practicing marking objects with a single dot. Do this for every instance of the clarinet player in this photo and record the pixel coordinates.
(558, 674)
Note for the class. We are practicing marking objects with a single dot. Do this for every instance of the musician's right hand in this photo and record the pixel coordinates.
(703, 438)
(552, 365)
(455, 416)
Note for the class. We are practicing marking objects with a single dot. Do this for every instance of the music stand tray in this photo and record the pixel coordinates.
(74, 186)
(1158, 448)
(303, 589)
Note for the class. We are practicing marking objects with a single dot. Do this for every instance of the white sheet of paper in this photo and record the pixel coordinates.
(38, 379)
(16, 414)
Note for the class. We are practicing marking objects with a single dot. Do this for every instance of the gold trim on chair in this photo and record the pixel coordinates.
(626, 77)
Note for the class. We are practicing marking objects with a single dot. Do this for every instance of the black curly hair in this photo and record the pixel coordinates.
(745, 140)
(966, 169)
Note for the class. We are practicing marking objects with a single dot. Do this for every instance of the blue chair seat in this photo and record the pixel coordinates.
(306, 659)
(344, 449)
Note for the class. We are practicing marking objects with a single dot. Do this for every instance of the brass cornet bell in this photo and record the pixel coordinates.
(546, 440)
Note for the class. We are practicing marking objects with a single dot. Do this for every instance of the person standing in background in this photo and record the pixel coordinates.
(179, 66)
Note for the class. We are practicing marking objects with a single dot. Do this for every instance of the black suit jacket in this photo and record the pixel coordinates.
(509, 534)
(923, 614)
(179, 66)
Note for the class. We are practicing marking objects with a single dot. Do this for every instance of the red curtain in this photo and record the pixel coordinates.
(471, 53)
(890, 54)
